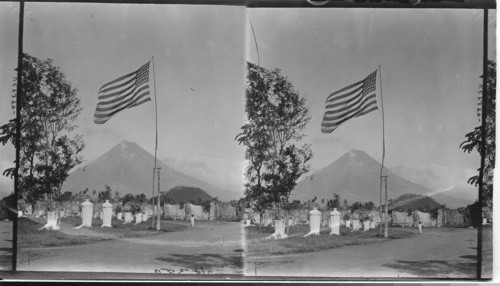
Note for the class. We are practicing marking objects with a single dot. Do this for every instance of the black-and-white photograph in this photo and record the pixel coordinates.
(233, 141)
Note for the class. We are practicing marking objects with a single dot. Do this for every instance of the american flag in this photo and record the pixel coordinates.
(124, 92)
(351, 101)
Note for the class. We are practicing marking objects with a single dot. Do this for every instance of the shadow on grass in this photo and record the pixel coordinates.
(207, 261)
(436, 268)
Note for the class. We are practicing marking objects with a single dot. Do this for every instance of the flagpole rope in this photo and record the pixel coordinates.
(254, 38)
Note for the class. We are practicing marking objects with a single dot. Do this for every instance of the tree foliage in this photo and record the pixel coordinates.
(49, 107)
(473, 138)
(276, 117)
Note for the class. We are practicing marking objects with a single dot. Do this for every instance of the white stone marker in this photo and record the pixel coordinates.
(247, 222)
(138, 218)
(314, 222)
(119, 216)
(145, 216)
(279, 230)
(366, 225)
(348, 223)
(373, 224)
(87, 212)
(485, 220)
(128, 217)
(335, 222)
(355, 225)
(107, 212)
(51, 221)
(19, 213)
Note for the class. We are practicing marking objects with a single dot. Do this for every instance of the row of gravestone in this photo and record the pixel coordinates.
(315, 224)
(87, 215)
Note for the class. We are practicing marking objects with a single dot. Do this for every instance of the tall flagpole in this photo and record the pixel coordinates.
(383, 156)
(18, 131)
(484, 114)
(255, 39)
(156, 146)
(156, 149)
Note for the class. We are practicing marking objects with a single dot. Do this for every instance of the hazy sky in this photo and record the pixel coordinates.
(430, 59)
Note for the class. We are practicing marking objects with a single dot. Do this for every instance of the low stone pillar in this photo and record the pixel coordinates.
(373, 224)
(119, 216)
(348, 223)
(279, 230)
(247, 222)
(355, 225)
(485, 220)
(335, 222)
(107, 212)
(366, 225)
(62, 214)
(19, 213)
(314, 222)
(145, 217)
(138, 218)
(128, 217)
(87, 212)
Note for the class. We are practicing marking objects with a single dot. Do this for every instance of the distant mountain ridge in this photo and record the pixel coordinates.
(128, 168)
(187, 194)
(414, 202)
(355, 177)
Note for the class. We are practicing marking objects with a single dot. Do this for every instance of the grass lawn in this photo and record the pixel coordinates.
(128, 230)
(29, 236)
(258, 246)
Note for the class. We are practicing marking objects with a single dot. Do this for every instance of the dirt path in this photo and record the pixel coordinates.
(193, 248)
(436, 253)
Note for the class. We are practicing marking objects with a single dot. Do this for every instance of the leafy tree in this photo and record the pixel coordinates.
(473, 141)
(49, 106)
(140, 198)
(205, 205)
(127, 198)
(64, 197)
(166, 199)
(105, 194)
(369, 206)
(333, 203)
(296, 204)
(276, 117)
(356, 206)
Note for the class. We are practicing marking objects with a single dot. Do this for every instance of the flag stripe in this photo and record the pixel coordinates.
(118, 96)
(124, 92)
(351, 101)
(350, 108)
(132, 74)
(345, 95)
(339, 119)
(103, 106)
(128, 80)
(107, 116)
(329, 129)
(343, 89)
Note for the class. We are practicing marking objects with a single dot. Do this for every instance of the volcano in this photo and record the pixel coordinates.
(128, 168)
(355, 176)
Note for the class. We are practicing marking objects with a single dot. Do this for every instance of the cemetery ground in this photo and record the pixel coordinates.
(437, 253)
(130, 248)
